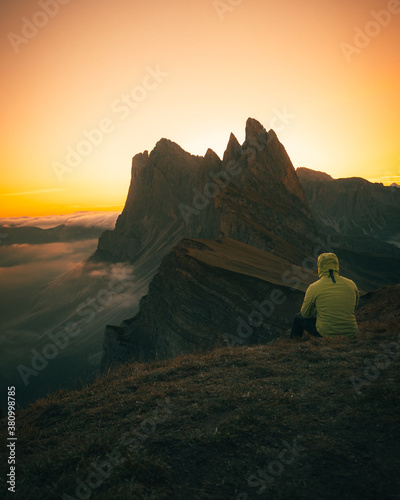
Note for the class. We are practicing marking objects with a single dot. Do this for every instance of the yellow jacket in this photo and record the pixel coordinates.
(332, 300)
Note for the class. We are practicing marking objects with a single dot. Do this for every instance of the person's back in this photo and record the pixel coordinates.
(331, 301)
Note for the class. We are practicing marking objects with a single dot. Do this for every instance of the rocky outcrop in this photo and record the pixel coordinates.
(251, 192)
(361, 218)
(210, 293)
(353, 206)
(240, 273)
(244, 221)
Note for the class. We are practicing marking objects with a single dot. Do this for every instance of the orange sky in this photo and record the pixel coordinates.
(192, 71)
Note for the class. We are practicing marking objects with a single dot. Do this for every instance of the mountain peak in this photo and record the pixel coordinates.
(254, 129)
(176, 194)
(166, 144)
(211, 154)
(233, 140)
(307, 174)
(139, 161)
(232, 148)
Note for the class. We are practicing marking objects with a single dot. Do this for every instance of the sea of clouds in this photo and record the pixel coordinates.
(45, 286)
(104, 220)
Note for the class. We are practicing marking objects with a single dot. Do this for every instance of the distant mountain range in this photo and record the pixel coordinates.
(236, 242)
(37, 236)
(352, 206)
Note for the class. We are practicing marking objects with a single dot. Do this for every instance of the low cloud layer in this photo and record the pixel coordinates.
(38, 258)
(25, 270)
(44, 288)
(104, 220)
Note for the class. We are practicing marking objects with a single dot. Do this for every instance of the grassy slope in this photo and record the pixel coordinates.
(200, 426)
(245, 259)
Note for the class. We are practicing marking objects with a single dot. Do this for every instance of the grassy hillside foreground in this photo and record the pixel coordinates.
(311, 419)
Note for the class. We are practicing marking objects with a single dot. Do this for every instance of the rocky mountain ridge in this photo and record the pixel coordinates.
(353, 206)
(241, 232)
(210, 211)
(174, 194)
(210, 293)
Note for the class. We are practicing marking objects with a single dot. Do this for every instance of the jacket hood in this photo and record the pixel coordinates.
(327, 261)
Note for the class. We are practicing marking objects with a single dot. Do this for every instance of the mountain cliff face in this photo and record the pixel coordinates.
(210, 293)
(244, 221)
(242, 233)
(252, 191)
(353, 206)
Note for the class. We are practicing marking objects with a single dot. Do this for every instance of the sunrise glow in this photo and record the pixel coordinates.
(89, 84)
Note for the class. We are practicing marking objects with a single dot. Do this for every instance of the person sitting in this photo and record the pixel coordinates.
(329, 303)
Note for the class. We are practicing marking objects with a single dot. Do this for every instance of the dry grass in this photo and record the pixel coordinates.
(244, 259)
(198, 427)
